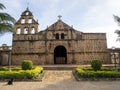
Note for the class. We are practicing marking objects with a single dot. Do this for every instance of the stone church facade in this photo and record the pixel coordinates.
(57, 44)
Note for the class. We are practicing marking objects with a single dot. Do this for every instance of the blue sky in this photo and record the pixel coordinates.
(84, 15)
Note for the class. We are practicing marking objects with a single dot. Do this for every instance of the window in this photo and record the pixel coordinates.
(33, 31)
(25, 30)
(29, 21)
(22, 21)
(57, 36)
(18, 30)
(62, 36)
(27, 13)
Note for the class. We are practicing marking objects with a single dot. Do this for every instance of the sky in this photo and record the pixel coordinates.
(91, 16)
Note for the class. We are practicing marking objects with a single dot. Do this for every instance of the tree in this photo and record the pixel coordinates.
(6, 21)
(5, 47)
(117, 19)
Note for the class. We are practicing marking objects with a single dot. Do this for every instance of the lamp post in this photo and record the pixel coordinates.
(114, 57)
(114, 54)
(9, 61)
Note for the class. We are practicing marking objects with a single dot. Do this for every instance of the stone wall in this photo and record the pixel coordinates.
(42, 51)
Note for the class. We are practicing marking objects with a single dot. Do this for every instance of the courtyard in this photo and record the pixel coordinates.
(61, 80)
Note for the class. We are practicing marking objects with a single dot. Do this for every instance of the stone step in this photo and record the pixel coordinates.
(58, 75)
(69, 67)
(59, 67)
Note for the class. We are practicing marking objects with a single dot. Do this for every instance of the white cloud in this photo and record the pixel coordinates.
(84, 15)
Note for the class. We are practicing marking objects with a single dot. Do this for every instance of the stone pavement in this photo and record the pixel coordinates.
(58, 75)
(61, 80)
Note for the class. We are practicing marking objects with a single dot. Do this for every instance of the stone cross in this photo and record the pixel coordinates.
(59, 16)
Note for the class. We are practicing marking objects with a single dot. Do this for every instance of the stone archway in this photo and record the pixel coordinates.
(60, 55)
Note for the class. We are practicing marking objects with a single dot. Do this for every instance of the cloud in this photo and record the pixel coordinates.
(84, 15)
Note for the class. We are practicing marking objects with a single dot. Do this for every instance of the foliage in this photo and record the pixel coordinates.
(15, 69)
(6, 21)
(96, 65)
(21, 74)
(91, 69)
(106, 69)
(117, 19)
(86, 74)
(27, 65)
(4, 69)
(5, 47)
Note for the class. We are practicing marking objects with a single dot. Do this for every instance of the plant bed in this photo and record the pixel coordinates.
(35, 74)
(89, 74)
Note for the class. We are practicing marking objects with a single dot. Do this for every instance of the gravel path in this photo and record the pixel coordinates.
(62, 80)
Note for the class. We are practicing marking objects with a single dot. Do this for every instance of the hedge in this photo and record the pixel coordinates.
(21, 74)
(99, 74)
(4, 69)
(91, 69)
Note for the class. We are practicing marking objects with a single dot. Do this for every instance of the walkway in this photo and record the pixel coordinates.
(58, 75)
(61, 80)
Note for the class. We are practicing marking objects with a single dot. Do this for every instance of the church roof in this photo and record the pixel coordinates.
(59, 25)
(27, 12)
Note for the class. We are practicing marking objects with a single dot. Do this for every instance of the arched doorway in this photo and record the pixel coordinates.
(60, 55)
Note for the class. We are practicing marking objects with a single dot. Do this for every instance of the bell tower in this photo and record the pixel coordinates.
(26, 24)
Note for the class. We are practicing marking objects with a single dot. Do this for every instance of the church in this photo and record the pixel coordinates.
(59, 43)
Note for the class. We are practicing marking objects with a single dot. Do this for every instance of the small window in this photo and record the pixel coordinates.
(18, 30)
(57, 36)
(22, 21)
(25, 30)
(33, 31)
(27, 13)
(29, 21)
(62, 36)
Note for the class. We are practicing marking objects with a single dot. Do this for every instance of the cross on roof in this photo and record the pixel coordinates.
(28, 6)
(59, 16)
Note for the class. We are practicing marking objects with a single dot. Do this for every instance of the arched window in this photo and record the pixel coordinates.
(33, 30)
(18, 30)
(62, 36)
(25, 30)
(57, 36)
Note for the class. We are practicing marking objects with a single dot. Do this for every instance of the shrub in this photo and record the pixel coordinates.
(21, 74)
(106, 69)
(27, 65)
(15, 69)
(99, 74)
(96, 65)
(4, 69)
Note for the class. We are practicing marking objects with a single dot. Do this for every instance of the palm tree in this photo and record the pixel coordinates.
(117, 19)
(6, 21)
